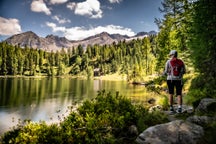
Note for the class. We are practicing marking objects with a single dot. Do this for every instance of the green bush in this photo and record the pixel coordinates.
(34, 133)
(105, 119)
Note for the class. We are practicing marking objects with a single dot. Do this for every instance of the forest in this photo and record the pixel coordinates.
(135, 58)
(188, 26)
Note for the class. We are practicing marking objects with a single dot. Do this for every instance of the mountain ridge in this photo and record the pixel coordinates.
(54, 43)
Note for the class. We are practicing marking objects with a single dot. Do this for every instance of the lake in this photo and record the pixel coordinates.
(50, 99)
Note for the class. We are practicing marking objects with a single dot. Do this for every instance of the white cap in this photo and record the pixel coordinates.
(173, 52)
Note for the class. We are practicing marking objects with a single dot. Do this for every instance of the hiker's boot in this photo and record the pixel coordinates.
(171, 110)
(179, 110)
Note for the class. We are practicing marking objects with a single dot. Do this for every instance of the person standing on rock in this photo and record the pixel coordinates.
(175, 69)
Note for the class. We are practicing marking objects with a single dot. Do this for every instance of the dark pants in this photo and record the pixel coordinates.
(175, 84)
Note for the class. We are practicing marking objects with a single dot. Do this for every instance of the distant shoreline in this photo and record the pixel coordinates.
(111, 77)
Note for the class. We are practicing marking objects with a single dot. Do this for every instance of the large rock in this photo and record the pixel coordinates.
(206, 105)
(175, 132)
(201, 120)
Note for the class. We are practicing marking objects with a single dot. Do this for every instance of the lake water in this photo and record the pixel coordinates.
(49, 99)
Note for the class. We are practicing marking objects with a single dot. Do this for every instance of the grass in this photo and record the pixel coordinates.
(112, 77)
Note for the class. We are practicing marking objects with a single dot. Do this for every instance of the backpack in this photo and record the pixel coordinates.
(176, 67)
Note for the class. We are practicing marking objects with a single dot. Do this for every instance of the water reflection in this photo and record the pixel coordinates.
(49, 98)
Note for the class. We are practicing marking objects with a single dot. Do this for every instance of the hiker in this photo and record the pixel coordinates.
(174, 69)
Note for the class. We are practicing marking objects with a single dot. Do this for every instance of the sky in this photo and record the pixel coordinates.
(78, 19)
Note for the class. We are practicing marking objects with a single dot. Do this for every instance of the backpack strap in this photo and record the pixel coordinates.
(171, 67)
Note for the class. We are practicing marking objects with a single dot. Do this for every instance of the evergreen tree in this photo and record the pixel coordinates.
(15, 65)
(58, 58)
(61, 69)
(89, 51)
(80, 50)
(65, 59)
(41, 57)
(114, 66)
(49, 70)
(90, 72)
(147, 55)
(52, 59)
(73, 51)
(85, 62)
(4, 70)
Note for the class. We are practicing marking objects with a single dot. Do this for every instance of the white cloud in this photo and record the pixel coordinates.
(9, 26)
(58, 1)
(79, 33)
(55, 28)
(115, 1)
(61, 21)
(71, 5)
(89, 8)
(40, 6)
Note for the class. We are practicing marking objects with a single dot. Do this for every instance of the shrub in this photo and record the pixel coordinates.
(34, 133)
(105, 119)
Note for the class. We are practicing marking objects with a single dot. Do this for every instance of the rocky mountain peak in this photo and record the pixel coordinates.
(50, 36)
(28, 38)
(53, 43)
(104, 34)
(28, 34)
(141, 34)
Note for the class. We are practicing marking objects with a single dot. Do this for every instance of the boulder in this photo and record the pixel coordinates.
(174, 132)
(201, 120)
(133, 131)
(206, 105)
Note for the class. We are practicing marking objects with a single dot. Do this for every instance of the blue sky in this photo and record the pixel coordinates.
(77, 19)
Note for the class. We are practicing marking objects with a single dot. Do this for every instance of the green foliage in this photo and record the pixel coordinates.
(202, 44)
(201, 87)
(90, 72)
(34, 133)
(61, 69)
(163, 101)
(121, 108)
(105, 119)
(202, 35)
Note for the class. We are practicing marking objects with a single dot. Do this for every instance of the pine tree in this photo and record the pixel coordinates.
(61, 69)
(173, 29)
(80, 50)
(4, 70)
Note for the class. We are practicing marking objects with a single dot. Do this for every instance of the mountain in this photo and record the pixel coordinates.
(152, 33)
(26, 39)
(58, 42)
(141, 34)
(30, 39)
(53, 43)
(101, 39)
